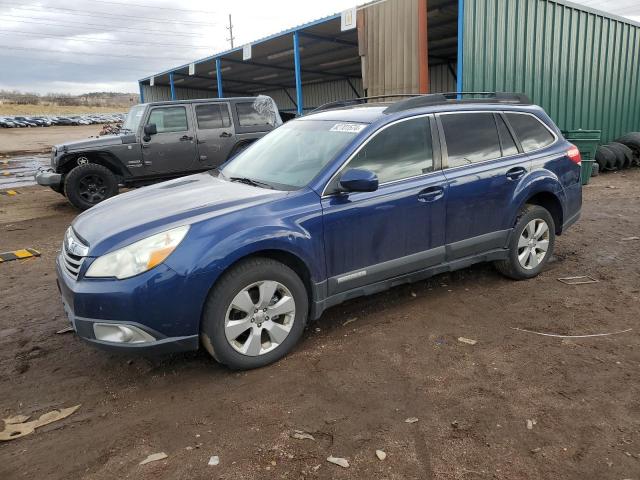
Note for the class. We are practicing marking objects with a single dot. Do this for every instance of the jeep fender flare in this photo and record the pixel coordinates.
(106, 159)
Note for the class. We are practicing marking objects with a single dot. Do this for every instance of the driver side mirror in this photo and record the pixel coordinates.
(149, 130)
(359, 180)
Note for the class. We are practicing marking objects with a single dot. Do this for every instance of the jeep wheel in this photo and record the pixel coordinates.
(89, 184)
(255, 314)
(531, 244)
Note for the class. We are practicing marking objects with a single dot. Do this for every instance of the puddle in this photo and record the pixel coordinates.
(19, 171)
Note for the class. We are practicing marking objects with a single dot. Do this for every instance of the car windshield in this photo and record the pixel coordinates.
(292, 155)
(132, 122)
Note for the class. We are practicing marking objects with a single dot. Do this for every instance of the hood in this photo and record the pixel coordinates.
(91, 143)
(131, 216)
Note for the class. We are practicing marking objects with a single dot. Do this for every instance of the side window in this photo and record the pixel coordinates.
(508, 145)
(400, 151)
(212, 116)
(169, 119)
(470, 137)
(531, 133)
(249, 116)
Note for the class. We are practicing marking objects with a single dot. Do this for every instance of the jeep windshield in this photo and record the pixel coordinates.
(292, 155)
(132, 122)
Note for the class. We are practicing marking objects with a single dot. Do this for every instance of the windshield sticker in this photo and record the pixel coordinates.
(347, 127)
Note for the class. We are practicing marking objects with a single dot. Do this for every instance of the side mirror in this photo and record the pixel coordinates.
(359, 180)
(150, 129)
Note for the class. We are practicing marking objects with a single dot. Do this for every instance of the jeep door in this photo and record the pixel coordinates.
(397, 229)
(173, 148)
(483, 166)
(215, 133)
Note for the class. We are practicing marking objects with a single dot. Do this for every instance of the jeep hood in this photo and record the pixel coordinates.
(92, 143)
(134, 215)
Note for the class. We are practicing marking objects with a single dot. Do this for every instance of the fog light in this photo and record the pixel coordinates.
(112, 332)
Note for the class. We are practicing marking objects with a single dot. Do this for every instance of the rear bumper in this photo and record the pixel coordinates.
(48, 178)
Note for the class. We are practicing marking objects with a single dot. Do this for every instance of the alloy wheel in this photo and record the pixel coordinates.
(260, 318)
(92, 188)
(533, 244)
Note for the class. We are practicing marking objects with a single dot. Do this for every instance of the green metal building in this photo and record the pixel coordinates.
(580, 64)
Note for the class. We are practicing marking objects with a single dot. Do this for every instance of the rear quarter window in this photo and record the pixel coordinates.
(250, 117)
(533, 135)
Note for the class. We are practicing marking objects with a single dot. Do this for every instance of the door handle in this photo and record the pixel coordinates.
(186, 138)
(225, 134)
(200, 142)
(516, 173)
(431, 194)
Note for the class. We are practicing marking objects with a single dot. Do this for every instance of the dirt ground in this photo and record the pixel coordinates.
(15, 141)
(358, 373)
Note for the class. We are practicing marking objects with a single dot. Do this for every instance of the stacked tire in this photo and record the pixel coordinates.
(619, 154)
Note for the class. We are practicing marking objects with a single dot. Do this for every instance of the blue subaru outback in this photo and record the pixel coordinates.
(347, 201)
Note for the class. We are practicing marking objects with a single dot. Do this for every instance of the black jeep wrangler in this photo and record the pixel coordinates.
(158, 141)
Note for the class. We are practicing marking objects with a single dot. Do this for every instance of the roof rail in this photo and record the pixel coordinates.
(450, 97)
(360, 100)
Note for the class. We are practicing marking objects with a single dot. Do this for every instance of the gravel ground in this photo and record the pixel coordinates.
(358, 373)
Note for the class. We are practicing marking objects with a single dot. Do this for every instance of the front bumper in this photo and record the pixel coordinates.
(108, 300)
(48, 178)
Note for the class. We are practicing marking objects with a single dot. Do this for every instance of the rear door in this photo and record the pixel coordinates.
(173, 148)
(215, 133)
(483, 166)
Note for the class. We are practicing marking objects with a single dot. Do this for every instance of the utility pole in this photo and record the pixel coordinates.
(230, 28)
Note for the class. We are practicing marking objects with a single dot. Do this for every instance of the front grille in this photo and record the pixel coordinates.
(73, 253)
(71, 263)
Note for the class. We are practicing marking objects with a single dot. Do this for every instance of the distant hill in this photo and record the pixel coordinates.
(116, 100)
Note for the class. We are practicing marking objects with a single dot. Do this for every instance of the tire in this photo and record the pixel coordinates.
(239, 348)
(632, 140)
(58, 189)
(89, 184)
(606, 158)
(623, 153)
(512, 267)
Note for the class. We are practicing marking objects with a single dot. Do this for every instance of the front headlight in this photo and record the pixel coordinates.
(138, 257)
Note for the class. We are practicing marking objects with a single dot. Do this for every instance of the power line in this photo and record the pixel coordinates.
(13, 47)
(115, 27)
(71, 11)
(130, 43)
(61, 62)
(154, 7)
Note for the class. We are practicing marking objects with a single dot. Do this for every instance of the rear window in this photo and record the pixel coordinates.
(532, 134)
(212, 116)
(250, 117)
(470, 137)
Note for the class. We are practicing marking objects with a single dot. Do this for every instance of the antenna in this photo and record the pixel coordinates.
(230, 28)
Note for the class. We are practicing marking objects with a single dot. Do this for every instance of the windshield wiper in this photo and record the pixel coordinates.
(249, 181)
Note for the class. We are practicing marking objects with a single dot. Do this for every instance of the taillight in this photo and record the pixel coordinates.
(574, 155)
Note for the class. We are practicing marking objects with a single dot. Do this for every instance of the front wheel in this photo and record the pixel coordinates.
(255, 314)
(89, 184)
(531, 244)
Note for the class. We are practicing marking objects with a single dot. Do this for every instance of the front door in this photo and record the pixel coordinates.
(173, 148)
(398, 229)
(215, 133)
(483, 167)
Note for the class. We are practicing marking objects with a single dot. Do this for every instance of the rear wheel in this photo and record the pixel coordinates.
(255, 314)
(89, 184)
(531, 244)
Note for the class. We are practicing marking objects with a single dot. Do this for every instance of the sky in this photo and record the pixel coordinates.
(79, 46)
